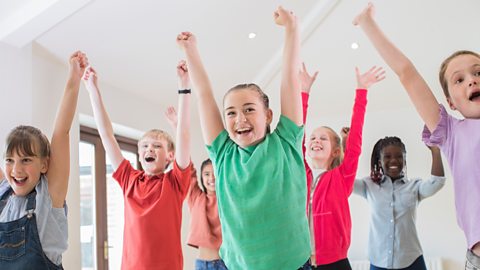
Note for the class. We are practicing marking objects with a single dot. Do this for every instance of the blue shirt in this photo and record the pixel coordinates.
(393, 240)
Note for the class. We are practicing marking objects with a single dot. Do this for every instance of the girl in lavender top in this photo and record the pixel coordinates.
(458, 139)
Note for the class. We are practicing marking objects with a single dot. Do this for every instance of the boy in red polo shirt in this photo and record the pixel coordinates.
(153, 197)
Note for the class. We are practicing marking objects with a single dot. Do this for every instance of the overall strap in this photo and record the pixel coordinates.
(4, 198)
(31, 202)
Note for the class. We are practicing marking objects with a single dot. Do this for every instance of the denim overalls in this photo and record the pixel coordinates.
(20, 246)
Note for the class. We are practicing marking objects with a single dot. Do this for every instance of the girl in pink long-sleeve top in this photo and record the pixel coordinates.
(330, 177)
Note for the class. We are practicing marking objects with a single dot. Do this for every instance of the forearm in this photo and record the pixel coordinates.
(66, 111)
(290, 85)
(437, 164)
(182, 154)
(210, 117)
(417, 89)
(105, 128)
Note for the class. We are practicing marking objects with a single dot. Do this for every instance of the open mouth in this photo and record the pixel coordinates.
(211, 183)
(475, 96)
(242, 131)
(316, 148)
(20, 181)
(149, 159)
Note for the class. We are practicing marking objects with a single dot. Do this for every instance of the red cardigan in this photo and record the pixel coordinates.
(332, 224)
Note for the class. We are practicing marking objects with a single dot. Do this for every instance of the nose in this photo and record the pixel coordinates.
(241, 117)
(16, 168)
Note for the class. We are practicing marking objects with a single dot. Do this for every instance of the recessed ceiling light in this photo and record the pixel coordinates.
(252, 35)
(354, 46)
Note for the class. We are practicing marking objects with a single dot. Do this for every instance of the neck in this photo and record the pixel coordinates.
(320, 164)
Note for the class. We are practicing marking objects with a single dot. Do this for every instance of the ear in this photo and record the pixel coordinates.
(336, 152)
(170, 156)
(45, 163)
(450, 103)
(269, 116)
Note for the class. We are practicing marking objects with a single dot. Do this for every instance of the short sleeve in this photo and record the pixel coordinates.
(218, 146)
(182, 177)
(123, 172)
(289, 131)
(441, 132)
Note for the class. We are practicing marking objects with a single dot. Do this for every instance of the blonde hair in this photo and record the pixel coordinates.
(160, 134)
(335, 139)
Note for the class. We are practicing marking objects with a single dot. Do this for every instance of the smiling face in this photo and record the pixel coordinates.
(323, 147)
(154, 154)
(392, 161)
(23, 171)
(462, 80)
(208, 178)
(246, 117)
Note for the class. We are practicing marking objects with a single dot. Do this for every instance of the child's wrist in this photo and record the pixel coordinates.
(184, 91)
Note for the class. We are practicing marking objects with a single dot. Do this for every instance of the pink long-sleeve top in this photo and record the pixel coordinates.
(329, 208)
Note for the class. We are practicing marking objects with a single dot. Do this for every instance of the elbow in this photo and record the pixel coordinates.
(406, 71)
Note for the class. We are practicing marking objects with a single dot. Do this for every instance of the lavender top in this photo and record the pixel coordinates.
(459, 141)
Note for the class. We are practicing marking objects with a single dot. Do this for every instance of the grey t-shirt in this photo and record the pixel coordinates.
(51, 222)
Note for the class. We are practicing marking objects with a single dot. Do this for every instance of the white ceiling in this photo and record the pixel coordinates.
(132, 43)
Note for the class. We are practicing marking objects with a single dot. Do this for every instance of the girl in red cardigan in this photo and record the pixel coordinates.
(330, 177)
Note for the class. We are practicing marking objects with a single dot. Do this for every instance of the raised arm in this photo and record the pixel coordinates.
(290, 98)
(210, 117)
(437, 164)
(431, 186)
(182, 137)
(420, 94)
(102, 120)
(353, 147)
(59, 165)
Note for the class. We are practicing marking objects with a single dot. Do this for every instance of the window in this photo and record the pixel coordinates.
(101, 202)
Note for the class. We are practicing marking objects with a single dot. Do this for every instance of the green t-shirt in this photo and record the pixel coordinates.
(261, 192)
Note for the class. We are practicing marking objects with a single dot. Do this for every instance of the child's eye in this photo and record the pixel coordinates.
(157, 146)
(458, 81)
(230, 113)
(249, 110)
(26, 160)
(8, 160)
(477, 73)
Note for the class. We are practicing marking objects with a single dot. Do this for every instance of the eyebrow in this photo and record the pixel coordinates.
(246, 104)
(473, 66)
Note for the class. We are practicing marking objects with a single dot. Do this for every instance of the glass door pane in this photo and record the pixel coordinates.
(115, 215)
(87, 207)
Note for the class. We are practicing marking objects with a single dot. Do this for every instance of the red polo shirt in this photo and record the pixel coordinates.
(153, 217)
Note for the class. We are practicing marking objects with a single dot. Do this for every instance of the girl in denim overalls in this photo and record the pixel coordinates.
(33, 222)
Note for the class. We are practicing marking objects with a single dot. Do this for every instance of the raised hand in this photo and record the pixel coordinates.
(344, 132)
(78, 63)
(306, 79)
(367, 13)
(284, 17)
(183, 76)
(90, 78)
(186, 40)
(172, 118)
(369, 78)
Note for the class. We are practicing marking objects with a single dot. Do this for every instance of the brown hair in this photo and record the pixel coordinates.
(338, 143)
(251, 86)
(160, 134)
(28, 141)
(444, 65)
